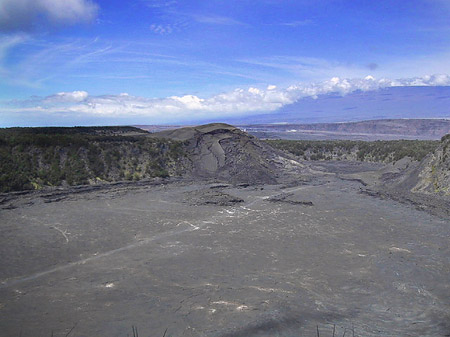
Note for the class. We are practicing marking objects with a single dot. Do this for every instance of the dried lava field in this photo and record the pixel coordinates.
(311, 254)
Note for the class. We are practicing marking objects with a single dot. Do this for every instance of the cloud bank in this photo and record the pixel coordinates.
(177, 109)
(27, 15)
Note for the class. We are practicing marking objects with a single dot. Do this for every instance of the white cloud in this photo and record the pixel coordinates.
(68, 97)
(238, 102)
(427, 80)
(190, 102)
(254, 91)
(25, 15)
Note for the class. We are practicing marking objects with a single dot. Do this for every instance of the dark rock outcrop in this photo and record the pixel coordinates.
(211, 197)
(289, 198)
(433, 175)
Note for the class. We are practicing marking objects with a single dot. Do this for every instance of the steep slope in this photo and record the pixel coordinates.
(424, 185)
(407, 176)
(433, 175)
(224, 152)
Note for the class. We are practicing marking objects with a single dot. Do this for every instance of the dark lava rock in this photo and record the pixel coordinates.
(10, 206)
(289, 198)
(219, 186)
(211, 197)
(49, 200)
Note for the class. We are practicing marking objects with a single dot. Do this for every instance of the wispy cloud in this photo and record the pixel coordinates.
(216, 20)
(307, 68)
(159, 3)
(27, 15)
(45, 63)
(238, 102)
(317, 69)
(162, 29)
(173, 18)
(8, 42)
(50, 60)
(297, 23)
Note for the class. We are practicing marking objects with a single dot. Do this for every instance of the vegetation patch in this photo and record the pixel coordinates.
(377, 151)
(33, 158)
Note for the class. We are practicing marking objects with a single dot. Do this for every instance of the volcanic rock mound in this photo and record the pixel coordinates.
(225, 153)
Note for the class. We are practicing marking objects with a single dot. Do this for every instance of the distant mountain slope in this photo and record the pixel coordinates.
(384, 129)
(386, 103)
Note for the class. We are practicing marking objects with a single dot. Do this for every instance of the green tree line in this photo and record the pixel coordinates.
(32, 158)
(376, 151)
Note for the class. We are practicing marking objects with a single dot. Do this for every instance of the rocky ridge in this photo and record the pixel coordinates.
(43, 158)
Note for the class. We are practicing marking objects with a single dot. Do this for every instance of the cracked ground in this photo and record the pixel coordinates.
(99, 263)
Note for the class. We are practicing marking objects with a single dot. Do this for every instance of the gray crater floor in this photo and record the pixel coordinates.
(327, 257)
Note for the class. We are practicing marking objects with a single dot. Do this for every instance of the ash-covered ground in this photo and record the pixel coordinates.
(198, 258)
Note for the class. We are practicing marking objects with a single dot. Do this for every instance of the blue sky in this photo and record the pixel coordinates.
(66, 62)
